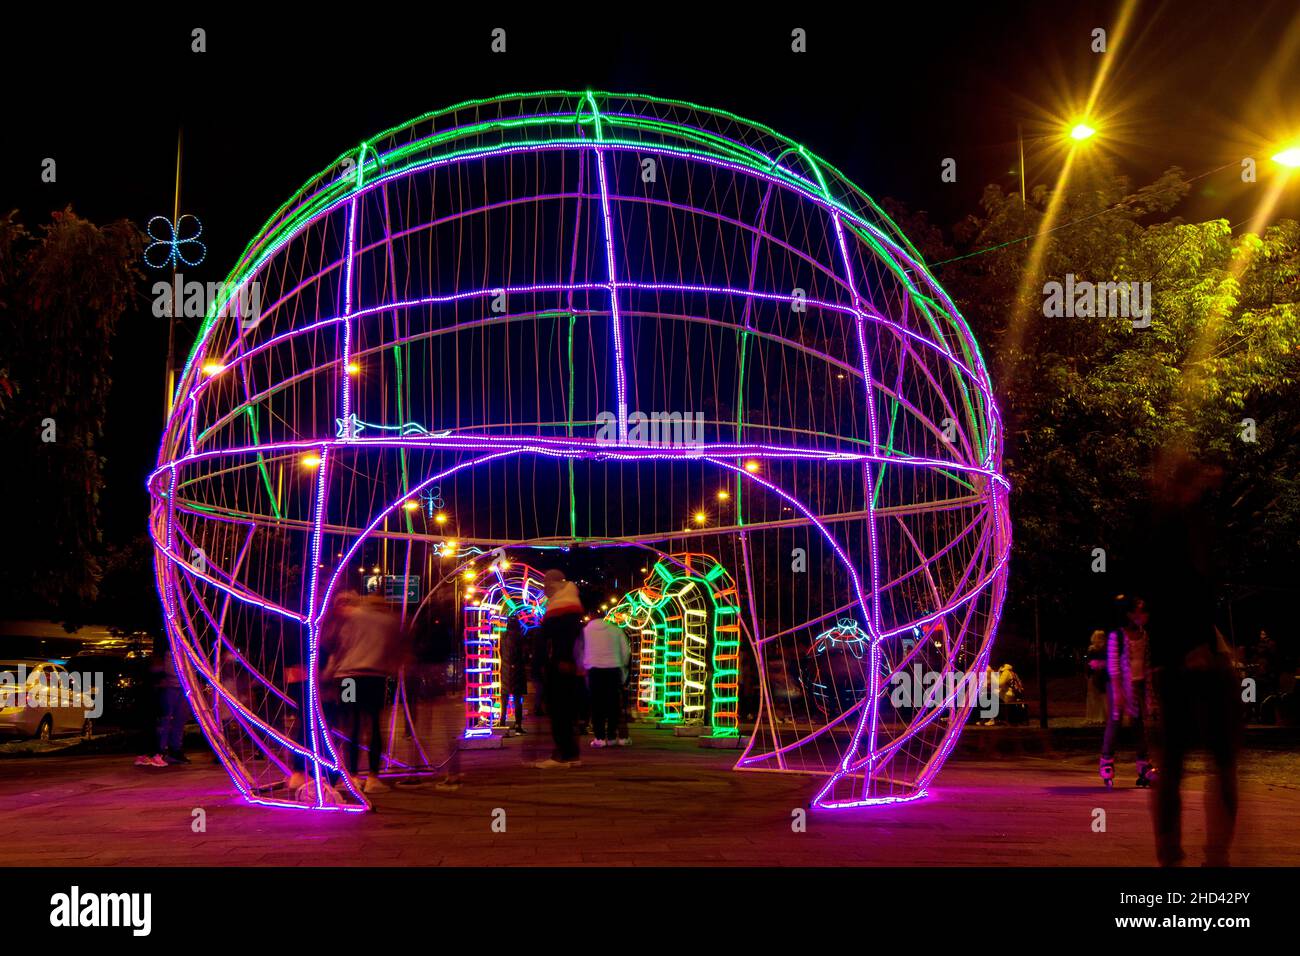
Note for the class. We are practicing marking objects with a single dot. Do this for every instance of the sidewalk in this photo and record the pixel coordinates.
(661, 802)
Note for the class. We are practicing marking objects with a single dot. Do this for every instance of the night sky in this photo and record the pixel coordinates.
(883, 94)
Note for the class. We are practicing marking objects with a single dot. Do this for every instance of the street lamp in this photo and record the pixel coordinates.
(1081, 131)
(1289, 157)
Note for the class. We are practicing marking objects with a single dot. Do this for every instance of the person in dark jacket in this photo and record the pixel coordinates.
(1195, 684)
(561, 627)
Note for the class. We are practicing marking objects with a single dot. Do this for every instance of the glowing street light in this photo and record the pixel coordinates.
(440, 518)
(311, 460)
(411, 505)
(1081, 131)
(216, 368)
(723, 494)
(701, 517)
(354, 369)
(751, 467)
(1289, 157)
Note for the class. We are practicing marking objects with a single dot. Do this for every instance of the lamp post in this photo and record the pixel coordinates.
(171, 313)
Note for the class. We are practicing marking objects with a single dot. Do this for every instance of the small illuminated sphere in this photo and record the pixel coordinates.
(524, 281)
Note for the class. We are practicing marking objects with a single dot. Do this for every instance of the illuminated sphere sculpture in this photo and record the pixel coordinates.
(603, 320)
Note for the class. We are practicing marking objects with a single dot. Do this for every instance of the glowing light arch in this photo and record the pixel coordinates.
(685, 623)
(447, 311)
(502, 589)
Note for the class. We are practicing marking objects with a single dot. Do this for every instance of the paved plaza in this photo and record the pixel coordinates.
(663, 801)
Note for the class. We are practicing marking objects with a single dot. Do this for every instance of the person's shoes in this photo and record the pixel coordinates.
(143, 761)
(597, 742)
(519, 730)
(375, 785)
(551, 764)
(1106, 769)
(576, 762)
(175, 756)
(624, 742)
(157, 760)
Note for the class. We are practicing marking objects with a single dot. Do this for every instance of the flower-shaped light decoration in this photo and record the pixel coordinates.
(169, 247)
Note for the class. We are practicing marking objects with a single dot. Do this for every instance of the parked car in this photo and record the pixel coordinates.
(36, 700)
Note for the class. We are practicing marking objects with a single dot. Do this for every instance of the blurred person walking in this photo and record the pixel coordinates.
(172, 710)
(560, 630)
(368, 654)
(1126, 687)
(1191, 668)
(297, 670)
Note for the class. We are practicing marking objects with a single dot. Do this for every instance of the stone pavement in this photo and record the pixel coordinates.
(662, 801)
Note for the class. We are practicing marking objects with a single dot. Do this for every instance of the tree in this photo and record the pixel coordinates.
(1087, 401)
(62, 293)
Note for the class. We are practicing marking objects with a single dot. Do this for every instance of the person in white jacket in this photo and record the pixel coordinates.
(605, 655)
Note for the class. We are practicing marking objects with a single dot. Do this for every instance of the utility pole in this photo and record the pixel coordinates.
(171, 313)
(1042, 677)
